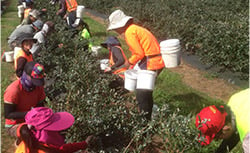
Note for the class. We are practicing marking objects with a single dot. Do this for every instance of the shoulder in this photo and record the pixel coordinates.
(12, 91)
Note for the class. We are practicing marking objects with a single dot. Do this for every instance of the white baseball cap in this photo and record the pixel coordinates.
(118, 19)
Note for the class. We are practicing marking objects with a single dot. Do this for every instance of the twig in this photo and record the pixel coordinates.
(133, 139)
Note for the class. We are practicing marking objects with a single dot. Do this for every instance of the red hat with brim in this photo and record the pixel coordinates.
(209, 121)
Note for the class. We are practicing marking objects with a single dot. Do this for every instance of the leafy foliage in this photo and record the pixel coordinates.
(75, 84)
(216, 30)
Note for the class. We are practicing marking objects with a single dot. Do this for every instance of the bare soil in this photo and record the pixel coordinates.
(198, 80)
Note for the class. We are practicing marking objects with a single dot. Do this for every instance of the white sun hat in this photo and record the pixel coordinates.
(118, 19)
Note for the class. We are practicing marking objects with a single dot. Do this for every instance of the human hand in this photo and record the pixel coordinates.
(108, 69)
(60, 45)
(65, 16)
(90, 140)
(44, 10)
(131, 67)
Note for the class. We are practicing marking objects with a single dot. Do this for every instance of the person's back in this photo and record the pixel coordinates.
(18, 32)
(143, 44)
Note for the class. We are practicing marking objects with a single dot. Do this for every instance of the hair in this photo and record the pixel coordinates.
(226, 109)
(31, 143)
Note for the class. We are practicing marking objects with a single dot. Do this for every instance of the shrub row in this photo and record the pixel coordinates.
(215, 30)
(75, 84)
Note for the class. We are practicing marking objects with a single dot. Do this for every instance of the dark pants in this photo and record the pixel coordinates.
(145, 101)
(72, 18)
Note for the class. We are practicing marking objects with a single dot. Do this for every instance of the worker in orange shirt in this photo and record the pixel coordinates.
(68, 11)
(145, 51)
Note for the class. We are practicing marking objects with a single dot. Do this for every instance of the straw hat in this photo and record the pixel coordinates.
(118, 19)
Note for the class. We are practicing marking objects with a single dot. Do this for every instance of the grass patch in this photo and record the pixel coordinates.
(9, 21)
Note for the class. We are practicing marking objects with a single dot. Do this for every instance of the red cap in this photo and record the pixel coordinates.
(210, 121)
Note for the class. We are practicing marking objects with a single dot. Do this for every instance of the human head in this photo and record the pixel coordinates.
(47, 124)
(34, 14)
(48, 27)
(118, 21)
(29, 3)
(27, 41)
(214, 122)
(38, 24)
(111, 41)
(35, 73)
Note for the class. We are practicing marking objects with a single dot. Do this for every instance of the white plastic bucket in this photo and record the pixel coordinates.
(104, 63)
(80, 11)
(130, 79)
(9, 56)
(20, 10)
(146, 79)
(170, 50)
(171, 58)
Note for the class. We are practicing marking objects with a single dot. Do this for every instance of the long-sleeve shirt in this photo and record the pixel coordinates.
(17, 33)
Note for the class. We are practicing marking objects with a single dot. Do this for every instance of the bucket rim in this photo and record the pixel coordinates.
(170, 42)
(104, 61)
(9, 52)
(146, 71)
(131, 76)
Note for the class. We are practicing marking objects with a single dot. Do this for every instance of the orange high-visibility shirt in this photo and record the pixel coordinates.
(142, 43)
(121, 69)
(71, 5)
(26, 12)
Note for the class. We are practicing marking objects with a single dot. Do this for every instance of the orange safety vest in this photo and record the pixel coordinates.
(142, 43)
(120, 70)
(71, 5)
(21, 53)
(26, 12)
(21, 148)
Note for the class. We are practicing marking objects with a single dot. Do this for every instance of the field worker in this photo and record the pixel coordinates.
(41, 37)
(13, 39)
(84, 32)
(28, 8)
(32, 17)
(230, 123)
(145, 51)
(42, 132)
(68, 11)
(24, 55)
(21, 5)
(22, 95)
(117, 58)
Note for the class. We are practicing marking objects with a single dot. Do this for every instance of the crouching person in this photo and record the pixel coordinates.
(230, 123)
(117, 58)
(41, 132)
(22, 95)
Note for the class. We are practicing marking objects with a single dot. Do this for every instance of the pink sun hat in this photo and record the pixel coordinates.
(43, 118)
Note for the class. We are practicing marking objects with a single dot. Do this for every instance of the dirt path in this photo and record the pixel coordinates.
(213, 87)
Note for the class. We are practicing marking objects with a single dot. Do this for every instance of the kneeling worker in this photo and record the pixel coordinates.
(230, 123)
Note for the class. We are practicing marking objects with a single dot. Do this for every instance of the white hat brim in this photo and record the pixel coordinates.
(120, 24)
